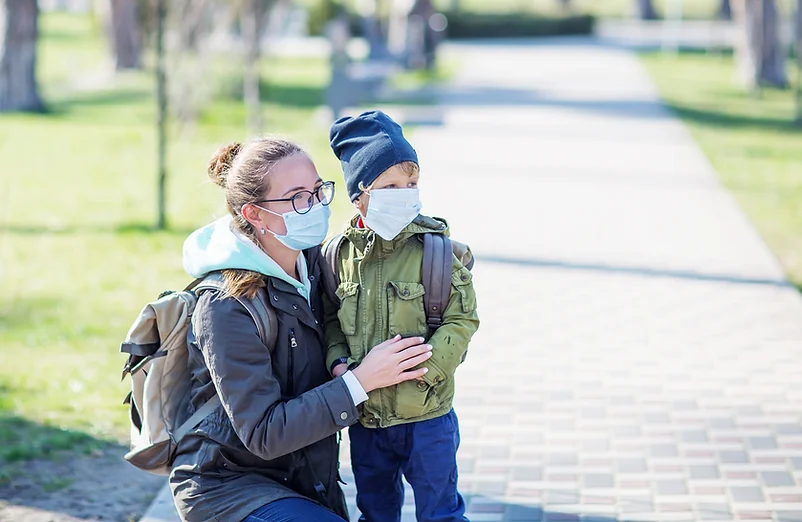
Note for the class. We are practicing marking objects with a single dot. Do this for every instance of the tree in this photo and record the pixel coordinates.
(161, 119)
(725, 10)
(644, 10)
(759, 50)
(798, 52)
(249, 24)
(18, 33)
(124, 34)
(566, 5)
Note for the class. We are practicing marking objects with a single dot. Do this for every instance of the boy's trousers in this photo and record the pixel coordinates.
(425, 453)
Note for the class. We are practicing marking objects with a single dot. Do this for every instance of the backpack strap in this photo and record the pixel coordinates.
(438, 258)
(331, 270)
(259, 308)
(266, 324)
(202, 412)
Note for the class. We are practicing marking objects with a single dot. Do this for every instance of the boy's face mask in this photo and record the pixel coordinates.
(391, 210)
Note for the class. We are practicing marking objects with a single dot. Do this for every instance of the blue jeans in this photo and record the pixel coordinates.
(425, 453)
(292, 510)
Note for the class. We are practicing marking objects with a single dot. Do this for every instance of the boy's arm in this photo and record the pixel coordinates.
(335, 339)
(460, 322)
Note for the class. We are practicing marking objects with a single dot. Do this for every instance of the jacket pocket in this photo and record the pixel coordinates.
(348, 293)
(415, 399)
(462, 280)
(406, 314)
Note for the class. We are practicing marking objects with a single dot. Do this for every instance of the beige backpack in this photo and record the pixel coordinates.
(157, 352)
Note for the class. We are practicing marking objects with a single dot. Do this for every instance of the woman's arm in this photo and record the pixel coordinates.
(241, 369)
(242, 372)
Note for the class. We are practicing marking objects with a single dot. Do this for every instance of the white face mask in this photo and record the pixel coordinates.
(391, 210)
(303, 230)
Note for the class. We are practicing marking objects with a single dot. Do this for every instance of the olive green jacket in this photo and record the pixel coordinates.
(381, 295)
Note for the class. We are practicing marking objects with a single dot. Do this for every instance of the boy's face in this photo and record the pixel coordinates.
(393, 178)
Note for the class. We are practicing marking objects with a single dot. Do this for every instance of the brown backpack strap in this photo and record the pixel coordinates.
(330, 269)
(436, 277)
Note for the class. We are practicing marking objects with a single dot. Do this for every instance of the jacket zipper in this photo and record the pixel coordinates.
(290, 379)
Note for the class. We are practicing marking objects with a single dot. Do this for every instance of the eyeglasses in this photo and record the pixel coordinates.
(303, 201)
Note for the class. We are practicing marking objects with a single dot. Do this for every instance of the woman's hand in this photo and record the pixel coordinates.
(391, 362)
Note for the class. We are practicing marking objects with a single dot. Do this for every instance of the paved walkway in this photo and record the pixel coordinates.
(640, 357)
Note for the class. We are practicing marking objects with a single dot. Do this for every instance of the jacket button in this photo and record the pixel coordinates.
(294, 307)
(313, 309)
(343, 415)
(371, 421)
(464, 278)
(311, 278)
(422, 385)
(405, 292)
(275, 298)
(437, 379)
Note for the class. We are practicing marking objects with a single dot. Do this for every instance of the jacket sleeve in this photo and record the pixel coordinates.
(241, 370)
(335, 339)
(460, 322)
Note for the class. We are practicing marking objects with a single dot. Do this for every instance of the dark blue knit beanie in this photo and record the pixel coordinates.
(367, 146)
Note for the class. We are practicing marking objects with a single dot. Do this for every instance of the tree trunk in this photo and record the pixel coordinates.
(566, 6)
(249, 22)
(161, 120)
(644, 10)
(725, 10)
(760, 53)
(18, 33)
(124, 34)
(798, 49)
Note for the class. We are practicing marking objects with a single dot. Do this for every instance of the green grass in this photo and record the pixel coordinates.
(78, 256)
(751, 141)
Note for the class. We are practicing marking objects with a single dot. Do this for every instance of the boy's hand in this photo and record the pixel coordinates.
(339, 370)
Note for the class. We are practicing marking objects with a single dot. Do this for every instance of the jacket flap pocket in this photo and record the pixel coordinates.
(461, 277)
(348, 289)
(408, 291)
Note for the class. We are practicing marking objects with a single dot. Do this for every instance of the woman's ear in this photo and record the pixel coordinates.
(251, 214)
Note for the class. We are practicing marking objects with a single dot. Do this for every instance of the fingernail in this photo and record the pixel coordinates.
(428, 346)
(425, 370)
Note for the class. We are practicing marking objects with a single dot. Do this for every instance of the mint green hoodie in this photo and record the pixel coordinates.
(219, 246)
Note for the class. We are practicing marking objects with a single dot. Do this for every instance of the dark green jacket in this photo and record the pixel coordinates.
(381, 295)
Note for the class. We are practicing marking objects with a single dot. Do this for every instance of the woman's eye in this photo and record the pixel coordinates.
(414, 184)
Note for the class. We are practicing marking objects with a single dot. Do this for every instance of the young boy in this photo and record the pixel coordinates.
(410, 428)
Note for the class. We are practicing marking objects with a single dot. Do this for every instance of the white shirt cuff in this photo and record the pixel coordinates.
(356, 390)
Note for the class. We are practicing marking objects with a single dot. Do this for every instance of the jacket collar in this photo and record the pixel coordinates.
(362, 238)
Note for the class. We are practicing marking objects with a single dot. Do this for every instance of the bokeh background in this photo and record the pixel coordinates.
(110, 110)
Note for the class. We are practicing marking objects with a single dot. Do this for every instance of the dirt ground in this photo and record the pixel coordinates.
(70, 489)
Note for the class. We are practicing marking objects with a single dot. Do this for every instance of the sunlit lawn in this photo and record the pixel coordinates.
(751, 141)
(78, 256)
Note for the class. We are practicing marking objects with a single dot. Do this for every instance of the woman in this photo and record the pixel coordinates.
(270, 453)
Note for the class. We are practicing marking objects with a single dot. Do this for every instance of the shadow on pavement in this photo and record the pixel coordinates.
(636, 270)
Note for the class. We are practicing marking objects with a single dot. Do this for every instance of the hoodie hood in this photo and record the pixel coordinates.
(219, 246)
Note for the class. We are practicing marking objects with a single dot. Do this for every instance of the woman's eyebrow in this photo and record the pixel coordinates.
(296, 189)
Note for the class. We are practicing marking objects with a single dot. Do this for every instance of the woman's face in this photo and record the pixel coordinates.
(287, 178)
(392, 178)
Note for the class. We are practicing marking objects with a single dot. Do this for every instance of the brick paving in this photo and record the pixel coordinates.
(640, 357)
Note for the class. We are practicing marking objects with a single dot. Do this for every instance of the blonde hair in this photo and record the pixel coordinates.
(409, 167)
(242, 172)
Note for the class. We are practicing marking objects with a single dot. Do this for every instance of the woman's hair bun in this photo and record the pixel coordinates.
(221, 162)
